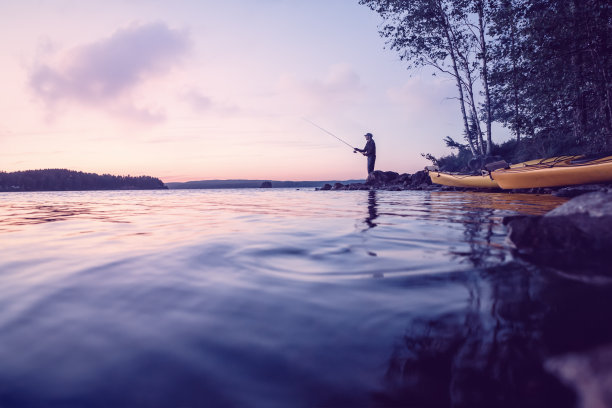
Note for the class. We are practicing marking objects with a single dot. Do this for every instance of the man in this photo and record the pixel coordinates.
(369, 151)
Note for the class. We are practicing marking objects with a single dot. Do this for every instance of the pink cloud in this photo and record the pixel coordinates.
(198, 100)
(202, 103)
(423, 97)
(340, 84)
(101, 74)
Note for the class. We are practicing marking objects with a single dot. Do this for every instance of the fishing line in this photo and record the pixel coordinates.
(328, 132)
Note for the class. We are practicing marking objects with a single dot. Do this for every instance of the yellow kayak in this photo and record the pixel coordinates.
(486, 180)
(462, 180)
(556, 171)
(550, 161)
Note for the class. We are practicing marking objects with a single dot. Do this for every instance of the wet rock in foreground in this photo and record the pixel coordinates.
(589, 373)
(575, 191)
(575, 236)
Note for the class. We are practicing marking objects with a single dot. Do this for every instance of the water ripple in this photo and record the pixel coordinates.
(277, 298)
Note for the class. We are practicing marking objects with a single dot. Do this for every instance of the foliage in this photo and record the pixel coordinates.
(544, 68)
(60, 179)
(552, 70)
(449, 36)
(512, 151)
(453, 162)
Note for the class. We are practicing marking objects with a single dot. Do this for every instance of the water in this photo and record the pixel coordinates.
(281, 298)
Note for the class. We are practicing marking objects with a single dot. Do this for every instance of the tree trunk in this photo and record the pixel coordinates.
(451, 49)
(469, 90)
(515, 83)
(485, 74)
(578, 60)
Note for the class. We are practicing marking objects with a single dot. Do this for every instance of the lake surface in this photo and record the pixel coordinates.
(281, 298)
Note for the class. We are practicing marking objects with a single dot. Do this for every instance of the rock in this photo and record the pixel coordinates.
(391, 176)
(596, 204)
(575, 191)
(575, 236)
(404, 179)
(379, 178)
(266, 184)
(589, 373)
(419, 178)
(572, 242)
(357, 186)
(388, 180)
(373, 178)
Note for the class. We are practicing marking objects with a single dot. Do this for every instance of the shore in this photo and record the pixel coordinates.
(574, 240)
(392, 181)
(574, 237)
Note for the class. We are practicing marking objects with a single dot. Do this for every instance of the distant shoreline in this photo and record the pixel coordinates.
(240, 183)
(70, 180)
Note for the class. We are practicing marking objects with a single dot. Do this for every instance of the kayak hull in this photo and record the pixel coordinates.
(460, 180)
(562, 173)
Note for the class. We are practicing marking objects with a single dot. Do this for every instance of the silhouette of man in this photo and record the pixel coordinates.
(369, 151)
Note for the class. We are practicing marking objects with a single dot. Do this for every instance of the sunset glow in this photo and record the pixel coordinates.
(192, 90)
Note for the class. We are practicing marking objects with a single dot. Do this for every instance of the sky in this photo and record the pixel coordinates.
(197, 89)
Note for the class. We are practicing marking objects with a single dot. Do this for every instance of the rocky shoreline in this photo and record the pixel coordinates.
(392, 181)
(575, 235)
(574, 239)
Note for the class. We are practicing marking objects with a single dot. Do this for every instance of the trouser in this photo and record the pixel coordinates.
(371, 160)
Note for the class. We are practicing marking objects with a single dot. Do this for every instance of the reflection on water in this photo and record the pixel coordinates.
(490, 353)
(281, 298)
(372, 210)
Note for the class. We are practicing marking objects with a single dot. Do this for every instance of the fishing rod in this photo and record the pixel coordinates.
(329, 133)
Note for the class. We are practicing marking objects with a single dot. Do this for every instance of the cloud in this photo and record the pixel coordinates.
(198, 101)
(425, 97)
(340, 84)
(103, 74)
(202, 103)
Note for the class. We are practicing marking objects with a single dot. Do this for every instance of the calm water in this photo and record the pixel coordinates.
(281, 298)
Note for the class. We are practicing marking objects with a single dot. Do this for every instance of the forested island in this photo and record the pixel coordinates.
(66, 180)
(541, 68)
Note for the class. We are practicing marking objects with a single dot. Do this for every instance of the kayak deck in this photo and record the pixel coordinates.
(554, 172)
(462, 180)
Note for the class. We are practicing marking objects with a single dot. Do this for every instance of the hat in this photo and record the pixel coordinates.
(368, 134)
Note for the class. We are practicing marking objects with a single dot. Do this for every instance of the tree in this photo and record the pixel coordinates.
(551, 71)
(543, 66)
(448, 35)
(60, 179)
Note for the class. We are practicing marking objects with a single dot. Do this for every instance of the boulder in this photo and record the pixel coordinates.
(589, 373)
(387, 180)
(404, 179)
(575, 236)
(575, 191)
(357, 186)
(420, 178)
(596, 204)
(379, 178)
